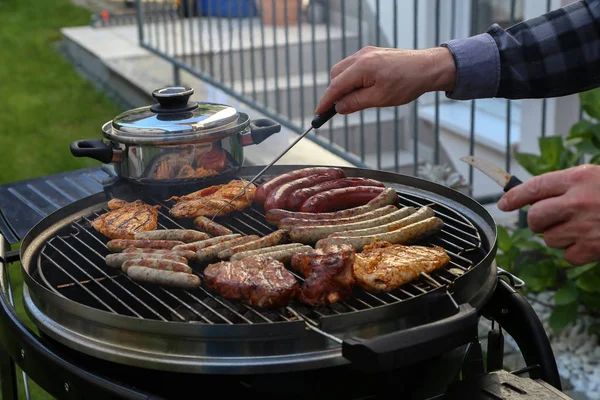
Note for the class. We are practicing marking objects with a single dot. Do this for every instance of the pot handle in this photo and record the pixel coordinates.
(93, 148)
(260, 130)
(394, 349)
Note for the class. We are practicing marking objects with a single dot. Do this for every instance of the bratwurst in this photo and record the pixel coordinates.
(117, 259)
(162, 277)
(407, 235)
(118, 245)
(167, 265)
(183, 235)
(385, 198)
(188, 254)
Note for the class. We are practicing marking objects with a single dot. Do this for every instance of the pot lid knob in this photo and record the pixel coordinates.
(173, 99)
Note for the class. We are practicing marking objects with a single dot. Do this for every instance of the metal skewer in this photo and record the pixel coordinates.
(316, 123)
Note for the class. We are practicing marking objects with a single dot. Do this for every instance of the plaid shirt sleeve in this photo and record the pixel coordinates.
(555, 54)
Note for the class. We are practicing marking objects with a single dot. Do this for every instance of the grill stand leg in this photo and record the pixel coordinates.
(517, 317)
(8, 376)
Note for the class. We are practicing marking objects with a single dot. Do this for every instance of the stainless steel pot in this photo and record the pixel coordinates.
(176, 140)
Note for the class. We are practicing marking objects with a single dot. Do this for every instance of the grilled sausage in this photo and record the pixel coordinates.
(284, 256)
(340, 199)
(312, 233)
(419, 215)
(117, 259)
(162, 277)
(272, 239)
(166, 265)
(278, 197)
(409, 234)
(183, 235)
(298, 197)
(385, 198)
(289, 223)
(188, 254)
(195, 246)
(263, 190)
(118, 245)
(211, 227)
(258, 252)
(210, 253)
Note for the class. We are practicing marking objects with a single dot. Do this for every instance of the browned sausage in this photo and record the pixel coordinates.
(210, 253)
(289, 223)
(211, 227)
(283, 255)
(385, 198)
(117, 259)
(421, 214)
(162, 277)
(298, 197)
(278, 197)
(258, 252)
(183, 235)
(272, 239)
(267, 187)
(118, 245)
(311, 234)
(407, 235)
(340, 199)
(195, 246)
(167, 265)
(188, 254)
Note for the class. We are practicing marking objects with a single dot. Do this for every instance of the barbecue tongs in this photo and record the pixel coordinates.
(316, 123)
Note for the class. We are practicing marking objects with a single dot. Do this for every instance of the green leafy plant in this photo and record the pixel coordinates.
(525, 254)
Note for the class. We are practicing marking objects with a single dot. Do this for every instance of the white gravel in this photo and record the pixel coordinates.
(577, 353)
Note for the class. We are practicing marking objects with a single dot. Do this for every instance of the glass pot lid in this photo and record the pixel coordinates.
(174, 120)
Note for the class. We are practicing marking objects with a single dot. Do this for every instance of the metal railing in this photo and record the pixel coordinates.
(275, 55)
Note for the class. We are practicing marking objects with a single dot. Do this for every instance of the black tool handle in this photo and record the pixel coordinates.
(512, 182)
(396, 349)
(93, 148)
(319, 120)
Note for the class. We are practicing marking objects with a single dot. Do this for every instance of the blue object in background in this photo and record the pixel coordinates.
(228, 8)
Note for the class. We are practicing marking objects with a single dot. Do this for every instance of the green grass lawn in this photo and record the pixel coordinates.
(45, 103)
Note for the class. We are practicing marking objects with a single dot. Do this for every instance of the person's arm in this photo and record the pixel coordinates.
(555, 54)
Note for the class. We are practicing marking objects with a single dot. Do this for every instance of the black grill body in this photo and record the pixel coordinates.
(432, 348)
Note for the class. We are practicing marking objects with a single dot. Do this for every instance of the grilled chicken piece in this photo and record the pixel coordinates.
(186, 172)
(328, 273)
(383, 267)
(126, 219)
(164, 171)
(259, 281)
(209, 201)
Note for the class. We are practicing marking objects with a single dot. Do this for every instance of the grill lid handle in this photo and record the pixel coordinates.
(400, 348)
(173, 99)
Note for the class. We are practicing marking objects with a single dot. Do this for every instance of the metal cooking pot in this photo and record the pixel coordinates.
(176, 140)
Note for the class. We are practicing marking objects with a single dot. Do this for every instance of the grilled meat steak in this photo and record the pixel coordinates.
(258, 281)
(383, 267)
(209, 201)
(328, 273)
(126, 219)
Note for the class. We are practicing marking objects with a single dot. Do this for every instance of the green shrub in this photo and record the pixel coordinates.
(526, 255)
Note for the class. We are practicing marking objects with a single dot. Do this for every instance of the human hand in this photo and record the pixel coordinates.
(565, 209)
(381, 77)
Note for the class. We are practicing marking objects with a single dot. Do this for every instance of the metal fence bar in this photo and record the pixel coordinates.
(509, 102)
(301, 64)
(275, 58)
(362, 114)
(436, 151)
(474, 15)
(416, 102)
(287, 60)
(344, 54)
(544, 101)
(328, 30)
(378, 111)
(241, 46)
(396, 133)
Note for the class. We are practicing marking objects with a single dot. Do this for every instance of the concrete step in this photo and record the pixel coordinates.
(295, 98)
(346, 132)
(245, 49)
